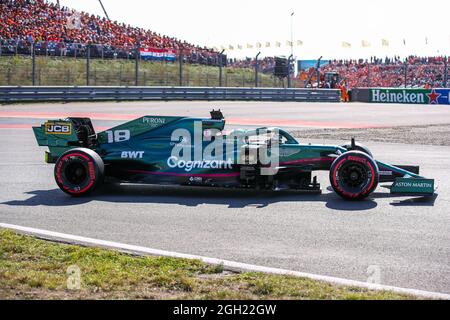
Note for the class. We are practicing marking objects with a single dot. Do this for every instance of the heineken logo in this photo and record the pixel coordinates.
(397, 96)
(412, 96)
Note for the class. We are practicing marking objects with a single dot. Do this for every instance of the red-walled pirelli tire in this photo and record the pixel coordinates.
(79, 171)
(354, 175)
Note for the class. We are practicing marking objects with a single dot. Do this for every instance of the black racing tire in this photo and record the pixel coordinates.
(354, 175)
(79, 171)
(358, 147)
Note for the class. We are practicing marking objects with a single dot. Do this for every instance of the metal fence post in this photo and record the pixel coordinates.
(88, 64)
(166, 75)
(256, 70)
(406, 73)
(33, 63)
(8, 76)
(180, 58)
(220, 67)
(318, 78)
(187, 77)
(136, 71)
(289, 71)
(68, 77)
(445, 72)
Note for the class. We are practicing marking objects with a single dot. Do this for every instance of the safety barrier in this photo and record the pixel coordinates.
(18, 94)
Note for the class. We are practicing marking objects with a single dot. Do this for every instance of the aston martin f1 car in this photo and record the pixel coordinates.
(199, 152)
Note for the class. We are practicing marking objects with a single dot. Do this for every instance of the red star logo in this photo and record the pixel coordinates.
(433, 96)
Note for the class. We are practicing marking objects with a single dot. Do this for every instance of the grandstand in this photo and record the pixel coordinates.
(64, 31)
(413, 72)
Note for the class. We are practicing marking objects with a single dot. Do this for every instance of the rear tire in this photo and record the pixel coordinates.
(354, 175)
(79, 171)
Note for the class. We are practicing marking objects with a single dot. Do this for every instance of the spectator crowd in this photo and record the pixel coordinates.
(415, 71)
(65, 30)
(265, 65)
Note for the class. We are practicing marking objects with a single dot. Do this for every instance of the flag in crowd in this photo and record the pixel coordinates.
(155, 54)
(346, 44)
(365, 43)
(288, 43)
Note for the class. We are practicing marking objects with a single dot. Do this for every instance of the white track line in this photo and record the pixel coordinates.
(228, 265)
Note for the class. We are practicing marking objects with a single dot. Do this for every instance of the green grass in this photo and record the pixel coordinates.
(17, 70)
(31, 268)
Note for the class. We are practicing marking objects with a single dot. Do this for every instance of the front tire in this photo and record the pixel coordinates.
(354, 175)
(79, 171)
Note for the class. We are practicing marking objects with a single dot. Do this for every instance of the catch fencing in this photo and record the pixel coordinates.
(73, 64)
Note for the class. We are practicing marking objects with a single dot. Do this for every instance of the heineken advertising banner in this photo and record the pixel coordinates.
(412, 96)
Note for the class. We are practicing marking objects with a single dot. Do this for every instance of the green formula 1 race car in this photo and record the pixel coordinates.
(198, 152)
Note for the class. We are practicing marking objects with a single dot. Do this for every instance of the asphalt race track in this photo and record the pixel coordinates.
(406, 239)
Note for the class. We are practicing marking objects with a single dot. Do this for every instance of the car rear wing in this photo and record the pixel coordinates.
(64, 134)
